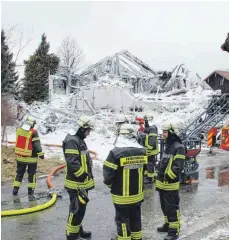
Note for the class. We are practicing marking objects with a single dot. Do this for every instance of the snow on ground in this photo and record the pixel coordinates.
(218, 234)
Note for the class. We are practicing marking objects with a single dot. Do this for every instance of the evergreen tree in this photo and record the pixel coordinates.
(37, 70)
(8, 74)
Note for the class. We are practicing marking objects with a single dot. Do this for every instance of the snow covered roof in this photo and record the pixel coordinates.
(107, 81)
(121, 64)
(224, 74)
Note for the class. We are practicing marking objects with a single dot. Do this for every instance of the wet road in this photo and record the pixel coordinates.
(204, 210)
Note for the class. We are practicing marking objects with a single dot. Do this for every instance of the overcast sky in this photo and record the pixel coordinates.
(162, 34)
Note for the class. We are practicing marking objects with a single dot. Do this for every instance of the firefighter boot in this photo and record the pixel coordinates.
(84, 234)
(164, 228)
(168, 237)
(75, 237)
(30, 191)
(15, 191)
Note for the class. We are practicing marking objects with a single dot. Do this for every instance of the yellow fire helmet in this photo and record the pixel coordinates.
(85, 122)
(171, 127)
(30, 120)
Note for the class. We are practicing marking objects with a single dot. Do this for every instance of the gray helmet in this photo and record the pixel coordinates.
(31, 121)
(127, 129)
(171, 127)
(85, 122)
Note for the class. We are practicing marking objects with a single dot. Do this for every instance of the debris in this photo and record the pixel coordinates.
(177, 92)
(223, 178)
(6, 161)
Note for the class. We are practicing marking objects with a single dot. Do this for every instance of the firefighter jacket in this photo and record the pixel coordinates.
(141, 138)
(151, 141)
(28, 146)
(170, 167)
(78, 164)
(123, 172)
(146, 125)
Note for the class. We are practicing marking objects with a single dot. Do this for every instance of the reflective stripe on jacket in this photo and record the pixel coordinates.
(78, 172)
(170, 167)
(151, 144)
(28, 146)
(123, 172)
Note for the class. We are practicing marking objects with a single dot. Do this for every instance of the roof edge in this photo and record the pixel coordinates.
(218, 72)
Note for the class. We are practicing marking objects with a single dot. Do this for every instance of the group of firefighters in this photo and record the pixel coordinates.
(128, 166)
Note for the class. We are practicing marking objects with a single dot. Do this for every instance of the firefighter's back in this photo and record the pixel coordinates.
(127, 187)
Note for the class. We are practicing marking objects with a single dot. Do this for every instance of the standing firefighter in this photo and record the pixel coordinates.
(151, 144)
(168, 180)
(28, 150)
(123, 172)
(78, 178)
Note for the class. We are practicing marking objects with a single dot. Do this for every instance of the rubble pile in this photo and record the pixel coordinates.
(121, 83)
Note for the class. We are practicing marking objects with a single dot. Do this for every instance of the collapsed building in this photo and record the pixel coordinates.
(122, 65)
(112, 83)
(127, 67)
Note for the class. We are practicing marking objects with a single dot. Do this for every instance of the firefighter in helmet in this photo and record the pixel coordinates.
(28, 150)
(148, 118)
(151, 144)
(168, 180)
(149, 140)
(78, 178)
(123, 173)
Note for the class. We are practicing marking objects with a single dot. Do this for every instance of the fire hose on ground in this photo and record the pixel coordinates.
(46, 205)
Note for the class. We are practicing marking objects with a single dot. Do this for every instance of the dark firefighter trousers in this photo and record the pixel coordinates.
(170, 207)
(76, 214)
(128, 220)
(150, 167)
(31, 169)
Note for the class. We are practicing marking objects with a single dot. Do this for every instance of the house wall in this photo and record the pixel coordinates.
(215, 82)
(107, 97)
(226, 86)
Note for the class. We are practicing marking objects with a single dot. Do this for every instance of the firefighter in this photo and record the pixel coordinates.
(123, 173)
(148, 117)
(151, 144)
(146, 123)
(168, 180)
(28, 150)
(78, 178)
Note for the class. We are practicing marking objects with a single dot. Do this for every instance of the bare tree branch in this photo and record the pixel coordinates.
(15, 40)
(21, 45)
(71, 55)
(9, 31)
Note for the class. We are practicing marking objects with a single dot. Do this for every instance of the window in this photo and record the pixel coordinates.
(221, 81)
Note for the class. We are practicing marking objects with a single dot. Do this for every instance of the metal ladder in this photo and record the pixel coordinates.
(208, 119)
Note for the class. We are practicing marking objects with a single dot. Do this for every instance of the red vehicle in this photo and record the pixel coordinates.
(191, 165)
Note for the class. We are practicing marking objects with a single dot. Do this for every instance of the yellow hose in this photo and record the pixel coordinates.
(30, 210)
(38, 207)
(43, 206)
